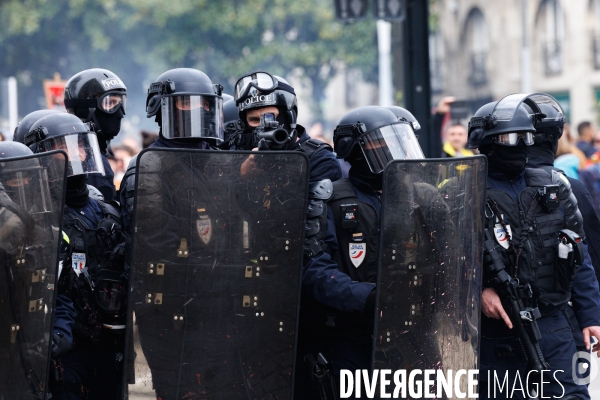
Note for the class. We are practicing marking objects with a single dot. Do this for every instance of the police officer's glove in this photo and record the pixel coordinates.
(117, 257)
(59, 345)
(264, 144)
(370, 303)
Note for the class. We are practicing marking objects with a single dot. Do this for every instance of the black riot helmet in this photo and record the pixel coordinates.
(261, 89)
(226, 97)
(404, 115)
(13, 150)
(186, 104)
(99, 96)
(505, 122)
(380, 134)
(23, 128)
(66, 132)
(234, 128)
(23, 179)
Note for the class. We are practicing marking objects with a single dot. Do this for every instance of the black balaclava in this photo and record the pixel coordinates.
(77, 192)
(110, 125)
(360, 169)
(541, 154)
(509, 160)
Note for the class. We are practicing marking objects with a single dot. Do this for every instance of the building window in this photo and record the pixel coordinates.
(551, 31)
(477, 44)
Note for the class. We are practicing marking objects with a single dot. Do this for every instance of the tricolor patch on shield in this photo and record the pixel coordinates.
(204, 228)
(357, 253)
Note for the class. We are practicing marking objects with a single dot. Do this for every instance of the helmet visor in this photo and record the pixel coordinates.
(391, 142)
(261, 81)
(81, 148)
(192, 116)
(111, 101)
(506, 108)
(512, 138)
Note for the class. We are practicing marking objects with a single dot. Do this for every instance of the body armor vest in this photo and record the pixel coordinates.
(99, 290)
(533, 240)
(331, 321)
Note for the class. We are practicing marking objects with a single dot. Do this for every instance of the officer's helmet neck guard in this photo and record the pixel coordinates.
(187, 105)
(381, 135)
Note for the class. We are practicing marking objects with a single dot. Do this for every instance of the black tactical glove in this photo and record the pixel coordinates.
(370, 303)
(59, 345)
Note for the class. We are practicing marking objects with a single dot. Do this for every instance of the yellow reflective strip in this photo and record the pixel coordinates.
(442, 183)
(66, 238)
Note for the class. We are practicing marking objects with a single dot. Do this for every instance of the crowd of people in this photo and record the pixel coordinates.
(210, 200)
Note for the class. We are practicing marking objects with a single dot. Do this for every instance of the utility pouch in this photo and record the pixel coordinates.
(570, 256)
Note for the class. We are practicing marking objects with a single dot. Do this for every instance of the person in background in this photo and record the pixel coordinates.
(586, 131)
(148, 138)
(455, 140)
(597, 141)
(568, 157)
(99, 96)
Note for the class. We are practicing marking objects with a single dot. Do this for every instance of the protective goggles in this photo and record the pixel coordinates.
(512, 139)
(108, 102)
(261, 81)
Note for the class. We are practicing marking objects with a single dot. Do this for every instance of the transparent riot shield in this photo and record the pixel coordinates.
(430, 267)
(217, 256)
(31, 201)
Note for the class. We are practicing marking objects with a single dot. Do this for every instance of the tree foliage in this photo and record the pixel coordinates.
(139, 39)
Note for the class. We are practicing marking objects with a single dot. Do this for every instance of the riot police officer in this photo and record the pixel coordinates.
(260, 93)
(29, 249)
(526, 263)
(93, 266)
(99, 96)
(188, 108)
(338, 283)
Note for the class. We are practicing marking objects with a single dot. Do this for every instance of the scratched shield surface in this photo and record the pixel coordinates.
(430, 268)
(32, 192)
(217, 254)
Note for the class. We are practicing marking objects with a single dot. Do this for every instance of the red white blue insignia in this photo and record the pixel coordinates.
(358, 251)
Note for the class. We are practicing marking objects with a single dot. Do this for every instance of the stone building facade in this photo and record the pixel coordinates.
(482, 50)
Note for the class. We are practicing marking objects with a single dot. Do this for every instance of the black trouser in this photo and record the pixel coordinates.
(91, 370)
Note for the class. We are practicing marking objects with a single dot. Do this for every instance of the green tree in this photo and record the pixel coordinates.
(139, 39)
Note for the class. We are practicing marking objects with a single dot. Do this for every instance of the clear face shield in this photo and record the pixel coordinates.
(391, 142)
(26, 183)
(192, 116)
(81, 148)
